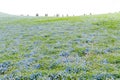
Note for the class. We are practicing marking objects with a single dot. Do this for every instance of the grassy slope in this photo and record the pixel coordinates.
(84, 47)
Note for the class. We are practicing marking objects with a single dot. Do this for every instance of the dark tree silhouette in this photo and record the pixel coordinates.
(21, 15)
(57, 15)
(46, 15)
(37, 14)
(67, 15)
(90, 13)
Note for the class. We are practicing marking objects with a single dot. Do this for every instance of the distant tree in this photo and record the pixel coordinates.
(90, 13)
(84, 14)
(21, 15)
(67, 15)
(62, 15)
(37, 14)
(27, 14)
(46, 15)
(57, 15)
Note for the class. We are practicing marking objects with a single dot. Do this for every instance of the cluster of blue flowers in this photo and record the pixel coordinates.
(4, 67)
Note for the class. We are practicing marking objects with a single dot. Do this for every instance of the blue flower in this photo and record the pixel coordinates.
(68, 69)
(37, 66)
(64, 54)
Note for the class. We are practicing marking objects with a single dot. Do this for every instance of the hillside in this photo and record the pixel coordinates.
(5, 15)
(60, 48)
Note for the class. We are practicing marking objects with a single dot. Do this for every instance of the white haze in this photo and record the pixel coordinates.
(52, 7)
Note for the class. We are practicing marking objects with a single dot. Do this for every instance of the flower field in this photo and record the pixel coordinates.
(60, 48)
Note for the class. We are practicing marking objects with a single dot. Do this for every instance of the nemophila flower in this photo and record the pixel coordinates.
(4, 67)
(58, 77)
(64, 54)
(58, 61)
(33, 77)
(2, 51)
(51, 76)
(6, 64)
(17, 42)
(104, 61)
(77, 40)
(9, 77)
(37, 66)
(3, 70)
(25, 64)
(26, 55)
(77, 59)
(36, 42)
(89, 40)
(107, 50)
(1, 78)
(92, 35)
(104, 76)
(3, 45)
(39, 75)
(76, 70)
(33, 53)
(17, 78)
(53, 65)
(98, 51)
(83, 64)
(25, 78)
(68, 69)
(31, 60)
(110, 76)
(58, 43)
(84, 35)
(5, 77)
(116, 48)
(16, 72)
(86, 51)
(71, 49)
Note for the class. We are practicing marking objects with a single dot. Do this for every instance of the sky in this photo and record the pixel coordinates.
(52, 7)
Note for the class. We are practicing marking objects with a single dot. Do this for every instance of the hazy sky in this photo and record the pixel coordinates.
(76, 7)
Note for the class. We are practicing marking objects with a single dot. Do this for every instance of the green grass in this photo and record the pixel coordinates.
(62, 48)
